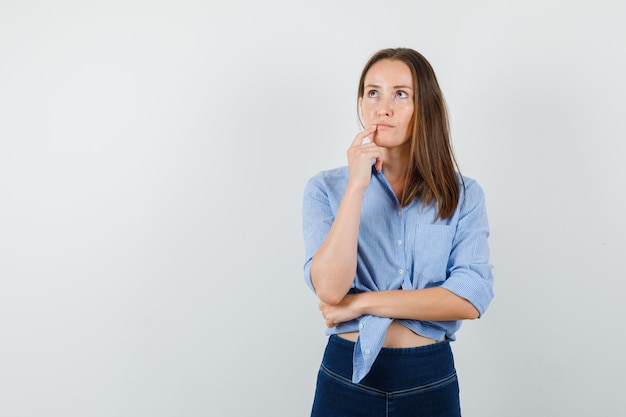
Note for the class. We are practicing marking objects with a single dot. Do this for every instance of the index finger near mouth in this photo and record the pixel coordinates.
(358, 140)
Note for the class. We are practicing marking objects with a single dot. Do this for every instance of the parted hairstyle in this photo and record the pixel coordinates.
(432, 167)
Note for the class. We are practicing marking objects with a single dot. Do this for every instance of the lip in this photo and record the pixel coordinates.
(383, 126)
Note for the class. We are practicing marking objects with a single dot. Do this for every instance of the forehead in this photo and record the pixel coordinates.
(389, 72)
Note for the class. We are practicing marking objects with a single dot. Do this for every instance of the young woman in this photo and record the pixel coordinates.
(396, 251)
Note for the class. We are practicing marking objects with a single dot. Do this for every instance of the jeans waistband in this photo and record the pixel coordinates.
(395, 368)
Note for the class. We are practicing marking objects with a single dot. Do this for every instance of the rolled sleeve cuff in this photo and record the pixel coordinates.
(465, 284)
(307, 275)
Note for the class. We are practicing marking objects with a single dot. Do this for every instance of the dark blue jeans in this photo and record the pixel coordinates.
(419, 381)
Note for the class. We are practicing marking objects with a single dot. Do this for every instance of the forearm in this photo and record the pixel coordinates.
(333, 266)
(432, 304)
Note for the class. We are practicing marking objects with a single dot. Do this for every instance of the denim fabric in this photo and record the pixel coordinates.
(402, 382)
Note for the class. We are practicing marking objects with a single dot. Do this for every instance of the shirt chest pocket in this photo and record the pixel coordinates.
(431, 252)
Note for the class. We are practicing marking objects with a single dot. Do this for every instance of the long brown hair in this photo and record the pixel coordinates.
(432, 167)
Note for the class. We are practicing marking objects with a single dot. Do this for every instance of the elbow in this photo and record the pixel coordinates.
(467, 310)
(461, 308)
(471, 312)
(329, 291)
(331, 298)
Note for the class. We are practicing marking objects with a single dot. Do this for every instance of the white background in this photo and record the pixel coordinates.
(153, 156)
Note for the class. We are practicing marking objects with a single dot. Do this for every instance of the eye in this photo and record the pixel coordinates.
(372, 93)
(402, 94)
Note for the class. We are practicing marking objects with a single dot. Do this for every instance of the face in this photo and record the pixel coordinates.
(388, 102)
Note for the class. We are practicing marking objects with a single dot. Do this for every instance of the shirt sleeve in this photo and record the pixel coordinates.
(317, 219)
(470, 273)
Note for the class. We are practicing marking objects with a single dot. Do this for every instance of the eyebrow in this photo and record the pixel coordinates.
(406, 87)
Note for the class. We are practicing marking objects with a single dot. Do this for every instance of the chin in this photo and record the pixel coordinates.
(387, 142)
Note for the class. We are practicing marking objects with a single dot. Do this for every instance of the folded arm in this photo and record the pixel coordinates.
(429, 304)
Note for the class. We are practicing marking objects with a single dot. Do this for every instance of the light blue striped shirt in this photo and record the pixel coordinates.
(402, 247)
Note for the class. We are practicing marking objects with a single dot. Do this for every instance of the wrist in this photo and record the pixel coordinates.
(355, 189)
(361, 303)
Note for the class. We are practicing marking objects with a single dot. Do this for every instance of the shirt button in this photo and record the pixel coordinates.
(399, 242)
(400, 212)
(360, 325)
(367, 351)
(401, 271)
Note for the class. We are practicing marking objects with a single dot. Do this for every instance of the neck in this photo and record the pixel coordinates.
(395, 167)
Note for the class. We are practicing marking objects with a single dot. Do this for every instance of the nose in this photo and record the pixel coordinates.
(385, 108)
